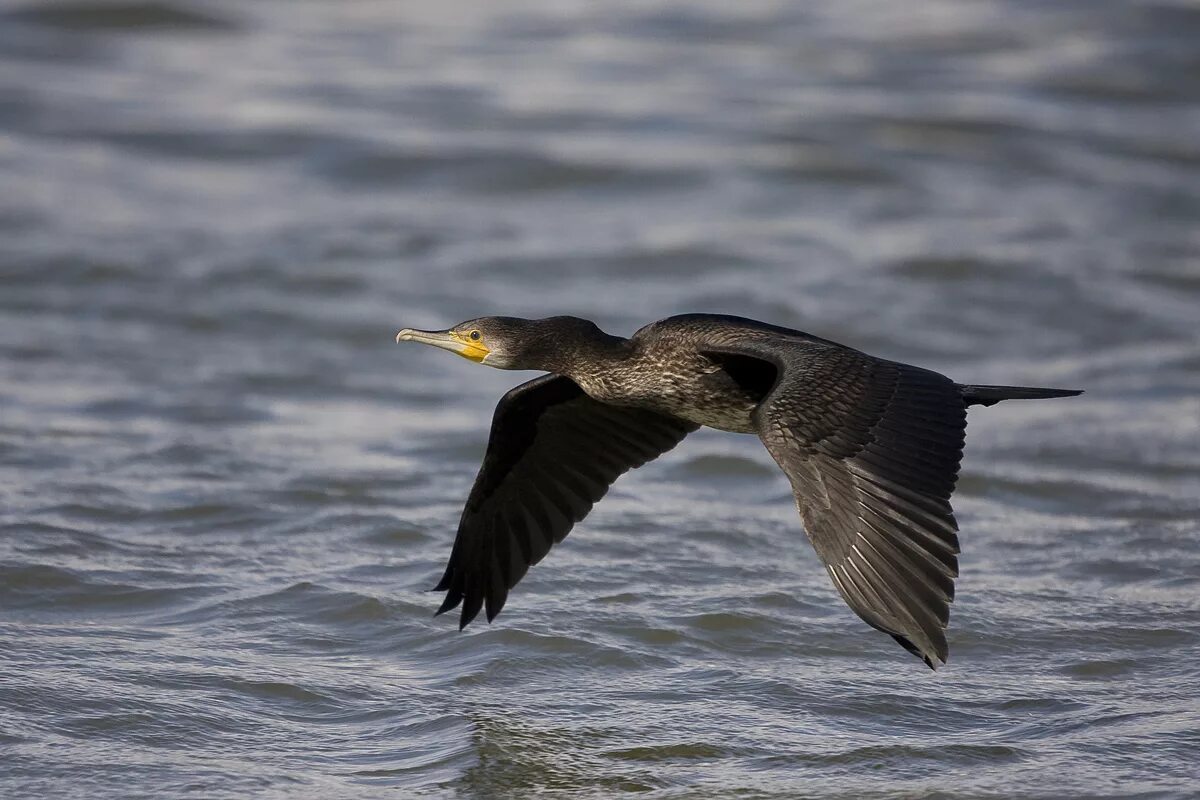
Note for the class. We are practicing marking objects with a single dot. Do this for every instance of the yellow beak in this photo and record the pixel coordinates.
(447, 340)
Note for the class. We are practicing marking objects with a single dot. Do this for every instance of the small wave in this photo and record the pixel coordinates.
(46, 588)
(489, 172)
(1102, 669)
(340, 612)
(723, 466)
(678, 751)
(879, 756)
(119, 16)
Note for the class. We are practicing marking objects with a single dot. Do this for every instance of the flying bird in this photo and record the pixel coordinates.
(871, 448)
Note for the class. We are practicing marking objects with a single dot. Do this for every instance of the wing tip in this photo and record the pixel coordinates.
(492, 612)
(933, 659)
(470, 610)
(466, 617)
(451, 602)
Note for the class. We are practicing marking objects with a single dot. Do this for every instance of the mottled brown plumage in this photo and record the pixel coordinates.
(871, 447)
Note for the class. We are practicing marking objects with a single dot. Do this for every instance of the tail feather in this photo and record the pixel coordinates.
(990, 395)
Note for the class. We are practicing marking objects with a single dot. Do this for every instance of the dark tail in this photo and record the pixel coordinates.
(990, 395)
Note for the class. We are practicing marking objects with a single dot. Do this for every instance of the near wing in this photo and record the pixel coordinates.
(552, 453)
(872, 450)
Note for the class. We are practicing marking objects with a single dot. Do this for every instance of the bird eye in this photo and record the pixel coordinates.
(475, 335)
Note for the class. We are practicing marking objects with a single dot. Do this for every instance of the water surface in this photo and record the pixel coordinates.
(223, 489)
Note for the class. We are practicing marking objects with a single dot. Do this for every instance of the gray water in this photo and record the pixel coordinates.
(224, 489)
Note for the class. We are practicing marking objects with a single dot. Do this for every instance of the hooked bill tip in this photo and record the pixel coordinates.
(404, 335)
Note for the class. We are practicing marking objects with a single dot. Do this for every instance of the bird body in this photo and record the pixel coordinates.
(871, 448)
(670, 377)
(663, 367)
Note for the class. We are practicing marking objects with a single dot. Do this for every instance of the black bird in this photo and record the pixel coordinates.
(871, 447)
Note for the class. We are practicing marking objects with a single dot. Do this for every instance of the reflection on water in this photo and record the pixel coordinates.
(223, 489)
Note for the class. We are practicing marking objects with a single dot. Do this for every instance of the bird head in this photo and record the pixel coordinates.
(509, 342)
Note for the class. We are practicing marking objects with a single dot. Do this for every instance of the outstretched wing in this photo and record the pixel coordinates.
(553, 452)
(872, 450)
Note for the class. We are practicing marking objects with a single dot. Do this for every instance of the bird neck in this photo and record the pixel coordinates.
(587, 358)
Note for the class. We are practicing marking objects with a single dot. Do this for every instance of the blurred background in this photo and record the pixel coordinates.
(223, 488)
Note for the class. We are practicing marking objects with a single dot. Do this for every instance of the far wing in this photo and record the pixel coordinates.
(872, 450)
(552, 453)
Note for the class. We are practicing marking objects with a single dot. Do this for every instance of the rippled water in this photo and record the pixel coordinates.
(223, 489)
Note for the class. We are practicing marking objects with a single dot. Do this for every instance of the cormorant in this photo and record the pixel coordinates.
(871, 447)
